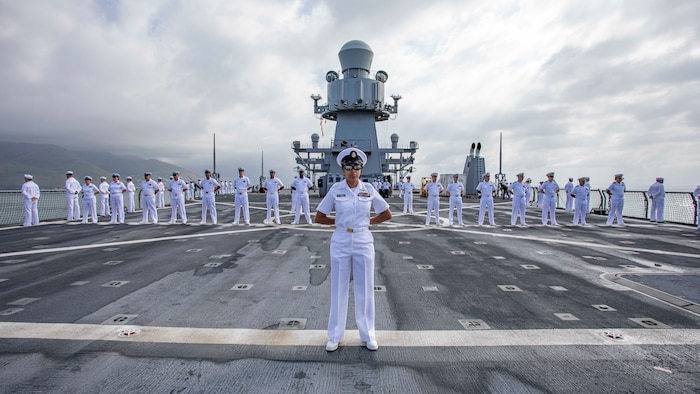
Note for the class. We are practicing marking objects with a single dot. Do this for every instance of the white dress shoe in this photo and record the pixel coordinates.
(331, 346)
(372, 345)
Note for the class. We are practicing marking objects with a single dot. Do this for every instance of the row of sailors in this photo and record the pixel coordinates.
(154, 191)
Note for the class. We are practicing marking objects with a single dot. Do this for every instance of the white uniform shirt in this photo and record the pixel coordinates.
(386, 185)
(486, 189)
(519, 189)
(161, 187)
(580, 193)
(408, 187)
(272, 185)
(116, 187)
(30, 190)
(302, 185)
(148, 188)
(241, 184)
(89, 190)
(177, 187)
(104, 187)
(72, 186)
(456, 189)
(569, 187)
(434, 189)
(617, 190)
(550, 188)
(208, 186)
(352, 206)
(656, 191)
(130, 187)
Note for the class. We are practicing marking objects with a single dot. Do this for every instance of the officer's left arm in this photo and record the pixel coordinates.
(382, 217)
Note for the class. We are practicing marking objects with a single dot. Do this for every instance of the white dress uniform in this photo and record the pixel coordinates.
(580, 194)
(130, 191)
(301, 189)
(568, 189)
(587, 185)
(549, 201)
(295, 197)
(408, 188)
(519, 190)
(72, 190)
(116, 197)
(149, 190)
(696, 193)
(433, 189)
(208, 201)
(617, 202)
(30, 192)
(177, 190)
(104, 198)
(528, 191)
(89, 201)
(657, 193)
(486, 201)
(456, 190)
(160, 197)
(272, 200)
(352, 250)
(386, 186)
(241, 186)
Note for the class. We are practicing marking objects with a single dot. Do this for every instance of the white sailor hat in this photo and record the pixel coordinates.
(618, 175)
(528, 180)
(128, 177)
(160, 178)
(351, 155)
(660, 179)
(583, 178)
(171, 177)
(115, 175)
(207, 170)
(550, 173)
(301, 170)
(28, 176)
(520, 174)
(176, 173)
(273, 172)
(434, 174)
(408, 177)
(241, 169)
(69, 172)
(88, 178)
(147, 173)
(103, 177)
(487, 174)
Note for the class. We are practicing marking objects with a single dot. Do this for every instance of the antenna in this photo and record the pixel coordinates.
(216, 175)
(500, 155)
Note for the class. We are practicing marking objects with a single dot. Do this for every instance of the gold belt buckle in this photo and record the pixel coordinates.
(349, 230)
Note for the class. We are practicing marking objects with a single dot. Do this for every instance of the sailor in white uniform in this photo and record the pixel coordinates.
(616, 191)
(272, 201)
(116, 198)
(177, 188)
(519, 191)
(241, 185)
(209, 188)
(456, 191)
(434, 190)
(300, 186)
(88, 191)
(386, 188)
(149, 191)
(295, 196)
(587, 185)
(568, 189)
(486, 188)
(580, 194)
(657, 194)
(400, 187)
(104, 197)
(528, 190)
(408, 188)
(72, 190)
(352, 247)
(160, 197)
(30, 192)
(696, 193)
(540, 195)
(130, 191)
(549, 190)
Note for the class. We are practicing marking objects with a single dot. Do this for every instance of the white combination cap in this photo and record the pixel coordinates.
(618, 175)
(550, 174)
(88, 178)
(660, 179)
(351, 155)
(28, 176)
(434, 174)
(103, 177)
(69, 172)
(520, 174)
(487, 174)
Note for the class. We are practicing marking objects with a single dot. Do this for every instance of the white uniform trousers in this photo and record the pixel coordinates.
(433, 204)
(241, 202)
(302, 203)
(569, 202)
(130, 206)
(408, 203)
(273, 201)
(519, 205)
(486, 204)
(455, 204)
(295, 201)
(73, 207)
(209, 203)
(616, 206)
(177, 205)
(580, 213)
(89, 208)
(117, 200)
(160, 197)
(656, 213)
(352, 253)
(549, 207)
(104, 204)
(148, 204)
(31, 212)
(588, 203)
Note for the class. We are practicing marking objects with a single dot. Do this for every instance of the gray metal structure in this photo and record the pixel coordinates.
(356, 103)
(474, 169)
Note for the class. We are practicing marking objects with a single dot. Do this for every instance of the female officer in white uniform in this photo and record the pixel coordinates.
(352, 247)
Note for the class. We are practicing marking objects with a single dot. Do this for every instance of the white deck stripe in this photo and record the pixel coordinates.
(234, 336)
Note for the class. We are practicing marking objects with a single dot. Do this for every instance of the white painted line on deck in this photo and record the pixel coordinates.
(428, 338)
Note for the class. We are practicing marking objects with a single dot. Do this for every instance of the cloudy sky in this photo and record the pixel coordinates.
(577, 87)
